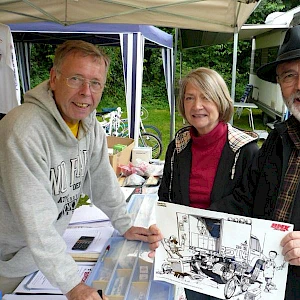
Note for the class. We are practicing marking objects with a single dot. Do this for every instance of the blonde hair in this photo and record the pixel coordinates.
(213, 86)
(82, 47)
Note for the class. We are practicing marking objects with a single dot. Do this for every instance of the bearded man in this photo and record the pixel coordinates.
(271, 185)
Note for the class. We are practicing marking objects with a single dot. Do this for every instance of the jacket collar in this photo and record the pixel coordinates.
(237, 138)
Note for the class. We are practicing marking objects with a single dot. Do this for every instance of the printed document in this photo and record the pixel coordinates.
(222, 255)
(38, 283)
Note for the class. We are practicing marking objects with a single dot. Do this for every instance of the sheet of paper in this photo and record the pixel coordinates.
(222, 255)
(34, 297)
(101, 234)
(91, 224)
(88, 213)
(38, 283)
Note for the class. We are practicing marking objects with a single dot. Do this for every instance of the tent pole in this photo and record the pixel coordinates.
(234, 63)
(180, 64)
(172, 121)
(235, 46)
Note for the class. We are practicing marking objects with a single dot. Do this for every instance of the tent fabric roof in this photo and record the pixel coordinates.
(96, 33)
(276, 21)
(190, 39)
(249, 31)
(207, 15)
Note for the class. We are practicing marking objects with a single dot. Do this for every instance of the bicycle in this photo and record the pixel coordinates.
(111, 122)
(150, 128)
(147, 139)
(145, 128)
(115, 126)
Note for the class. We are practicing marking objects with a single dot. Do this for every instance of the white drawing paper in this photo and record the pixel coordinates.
(37, 283)
(222, 255)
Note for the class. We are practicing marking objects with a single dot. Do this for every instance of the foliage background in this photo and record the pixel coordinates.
(154, 95)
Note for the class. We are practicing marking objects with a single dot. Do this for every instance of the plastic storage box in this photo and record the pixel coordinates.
(142, 209)
(126, 271)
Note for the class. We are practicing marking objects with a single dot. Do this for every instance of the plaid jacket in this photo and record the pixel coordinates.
(261, 188)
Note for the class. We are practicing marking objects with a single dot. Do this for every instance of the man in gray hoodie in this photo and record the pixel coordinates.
(52, 150)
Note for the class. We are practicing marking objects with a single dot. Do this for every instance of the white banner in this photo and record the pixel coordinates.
(10, 95)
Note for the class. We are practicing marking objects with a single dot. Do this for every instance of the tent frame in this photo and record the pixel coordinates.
(132, 38)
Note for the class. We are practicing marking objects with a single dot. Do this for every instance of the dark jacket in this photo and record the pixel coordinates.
(236, 156)
(263, 182)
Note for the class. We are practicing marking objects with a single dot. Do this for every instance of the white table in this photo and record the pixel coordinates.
(248, 106)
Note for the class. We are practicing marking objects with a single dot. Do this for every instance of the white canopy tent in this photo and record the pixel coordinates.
(209, 15)
(131, 38)
(226, 16)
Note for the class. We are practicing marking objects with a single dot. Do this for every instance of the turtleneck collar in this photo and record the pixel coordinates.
(209, 138)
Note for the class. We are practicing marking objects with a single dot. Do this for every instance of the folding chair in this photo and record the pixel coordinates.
(246, 96)
(244, 104)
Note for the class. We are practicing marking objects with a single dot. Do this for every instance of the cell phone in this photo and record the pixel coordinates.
(83, 242)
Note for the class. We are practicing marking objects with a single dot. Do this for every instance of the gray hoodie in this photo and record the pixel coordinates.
(43, 171)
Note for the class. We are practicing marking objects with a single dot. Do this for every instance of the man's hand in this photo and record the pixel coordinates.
(291, 248)
(84, 292)
(152, 235)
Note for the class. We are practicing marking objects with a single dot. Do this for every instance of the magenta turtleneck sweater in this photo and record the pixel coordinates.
(206, 153)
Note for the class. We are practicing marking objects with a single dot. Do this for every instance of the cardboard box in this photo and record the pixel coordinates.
(123, 157)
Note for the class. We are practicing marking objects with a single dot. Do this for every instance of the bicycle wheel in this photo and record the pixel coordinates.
(151, 140)
(152, 129)
(123, 129)
(144, 113)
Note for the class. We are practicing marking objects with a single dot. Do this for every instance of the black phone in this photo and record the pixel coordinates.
(83, 242)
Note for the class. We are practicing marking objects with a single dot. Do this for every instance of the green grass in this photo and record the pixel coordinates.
(161, 119)
(243, 122)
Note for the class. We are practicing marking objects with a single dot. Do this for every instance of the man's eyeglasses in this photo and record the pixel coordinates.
(288, 78)
(76, 82)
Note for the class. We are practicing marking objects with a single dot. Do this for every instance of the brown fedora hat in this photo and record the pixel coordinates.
(289, 50)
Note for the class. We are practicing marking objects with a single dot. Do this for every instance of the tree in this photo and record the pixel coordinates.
(264, 9)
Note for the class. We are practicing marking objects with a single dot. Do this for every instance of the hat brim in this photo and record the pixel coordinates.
(267, 72)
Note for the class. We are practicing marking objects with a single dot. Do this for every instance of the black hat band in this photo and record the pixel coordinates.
(291, 54)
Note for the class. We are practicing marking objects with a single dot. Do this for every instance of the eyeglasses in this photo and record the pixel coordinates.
(288, 78)
(76, 82)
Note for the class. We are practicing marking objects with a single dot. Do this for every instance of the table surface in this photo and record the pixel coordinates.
(245, 105)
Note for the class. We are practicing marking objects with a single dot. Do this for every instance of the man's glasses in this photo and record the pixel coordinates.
(288, 78)
(76, 82)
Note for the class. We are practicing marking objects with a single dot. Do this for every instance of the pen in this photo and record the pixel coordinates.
(105, 252)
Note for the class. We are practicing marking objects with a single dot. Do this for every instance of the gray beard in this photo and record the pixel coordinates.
(289, 102)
